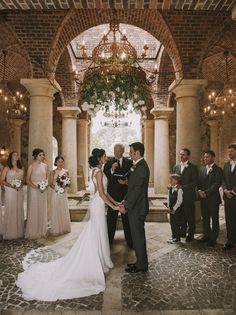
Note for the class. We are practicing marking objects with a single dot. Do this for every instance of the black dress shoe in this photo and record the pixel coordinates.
(134, 269)
(203, 240)
(211, 243)
(130, 265)
(189, 239)
(228, 246)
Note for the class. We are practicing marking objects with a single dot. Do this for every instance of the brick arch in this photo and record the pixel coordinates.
(64, 77)
(165, 79)
(77, 21)
(18, 63)
(212, 63)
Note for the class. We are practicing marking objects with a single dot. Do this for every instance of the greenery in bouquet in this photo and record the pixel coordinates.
(101, 92)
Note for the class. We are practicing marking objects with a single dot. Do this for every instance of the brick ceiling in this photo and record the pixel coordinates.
(218, 5)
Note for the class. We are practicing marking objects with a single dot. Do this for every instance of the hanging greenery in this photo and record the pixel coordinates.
(118, 90)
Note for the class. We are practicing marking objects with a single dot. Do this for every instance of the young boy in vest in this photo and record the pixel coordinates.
(174, 202)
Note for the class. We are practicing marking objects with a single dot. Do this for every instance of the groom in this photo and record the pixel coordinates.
(136, 205)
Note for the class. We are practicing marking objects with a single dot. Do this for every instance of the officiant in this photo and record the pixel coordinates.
(117, 170)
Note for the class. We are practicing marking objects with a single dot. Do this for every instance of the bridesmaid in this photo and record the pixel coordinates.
(37, 221)
(60, 216)
(13, 220)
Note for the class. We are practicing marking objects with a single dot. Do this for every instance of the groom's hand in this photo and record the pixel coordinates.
(122, 209)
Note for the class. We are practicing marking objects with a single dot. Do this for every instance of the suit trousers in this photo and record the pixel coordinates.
(188, 218)
(112, 217)
(137, 223)
(210, 211)
(175, 223)
(230, 219)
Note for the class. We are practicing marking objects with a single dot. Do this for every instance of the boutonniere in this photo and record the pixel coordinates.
(210, 170)
(133, 168)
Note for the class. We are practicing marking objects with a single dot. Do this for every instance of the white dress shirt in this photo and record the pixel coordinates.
(233, 164)
(179, 200)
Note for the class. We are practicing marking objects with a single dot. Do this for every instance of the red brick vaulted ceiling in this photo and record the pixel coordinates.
(118, 4)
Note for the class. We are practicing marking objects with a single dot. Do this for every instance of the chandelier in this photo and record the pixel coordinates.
(116, 118)
(223, 103)
(114, 77)
(115, 55)
(11, 104)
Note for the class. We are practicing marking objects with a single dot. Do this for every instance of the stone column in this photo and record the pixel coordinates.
(82, 150)
(214, 125)
(161, 149)
(16, 141)
(187, 116)
(149, 147)
(69, 143)
(40, 122)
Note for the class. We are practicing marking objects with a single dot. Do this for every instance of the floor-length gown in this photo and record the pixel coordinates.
(37, 221)
(13, 219)
(60, 215)
(80, 272)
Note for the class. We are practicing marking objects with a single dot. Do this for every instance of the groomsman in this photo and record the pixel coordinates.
(189, 178)
(117, 187)
(229, 187)
(210, 179)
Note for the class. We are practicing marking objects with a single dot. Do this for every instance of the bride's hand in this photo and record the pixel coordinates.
(116, 208)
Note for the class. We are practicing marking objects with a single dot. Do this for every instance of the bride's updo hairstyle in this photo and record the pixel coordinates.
(95, 157)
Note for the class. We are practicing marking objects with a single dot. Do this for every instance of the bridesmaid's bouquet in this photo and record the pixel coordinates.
(42, 185)
(62, 181)
(16, 183)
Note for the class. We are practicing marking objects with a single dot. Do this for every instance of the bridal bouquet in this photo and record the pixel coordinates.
(16, 183)
(42, 185)
(62, 182)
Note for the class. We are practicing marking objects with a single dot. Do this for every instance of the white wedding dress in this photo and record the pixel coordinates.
(81, 271)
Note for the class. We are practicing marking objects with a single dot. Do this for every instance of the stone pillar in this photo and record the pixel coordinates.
(40, 122)
(69, 143)
(82, 150)
(214, 125)
(161, 148)
(149, 147)
(16, 141)
(187, 116)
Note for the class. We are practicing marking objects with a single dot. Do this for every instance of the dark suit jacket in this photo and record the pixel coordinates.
(189, 180)
(116, 190)
(210, 183)
(229, 179)
(136, 200)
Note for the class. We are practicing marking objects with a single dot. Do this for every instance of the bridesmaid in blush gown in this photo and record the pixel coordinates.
(60, 216)
(81, 271)
(13, 219)
(37, 221)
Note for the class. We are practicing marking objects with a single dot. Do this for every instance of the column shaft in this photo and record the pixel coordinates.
(16, 141)
(149, 146)
(69, 143)
(214, 124)
(188, 117)
(40, 122)
(161, 149)
(82, 150)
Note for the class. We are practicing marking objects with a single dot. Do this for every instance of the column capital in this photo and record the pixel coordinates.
(69, 112)
(41, 87)
(187, 88)
(162, 112)
(83, 122)
(148, 123)
(213, 123)
(17, 122)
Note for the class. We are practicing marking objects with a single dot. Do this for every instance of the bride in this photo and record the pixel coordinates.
(81, 271)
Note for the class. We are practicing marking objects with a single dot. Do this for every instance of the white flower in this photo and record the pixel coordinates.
(91, 106)
(42, 185)
(16, 183)
(61, 190)
(144, 108)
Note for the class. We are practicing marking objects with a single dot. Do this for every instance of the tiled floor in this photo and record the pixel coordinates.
(188, 278)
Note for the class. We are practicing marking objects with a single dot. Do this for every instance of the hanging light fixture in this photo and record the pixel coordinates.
(223, 103)
(11, 104)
